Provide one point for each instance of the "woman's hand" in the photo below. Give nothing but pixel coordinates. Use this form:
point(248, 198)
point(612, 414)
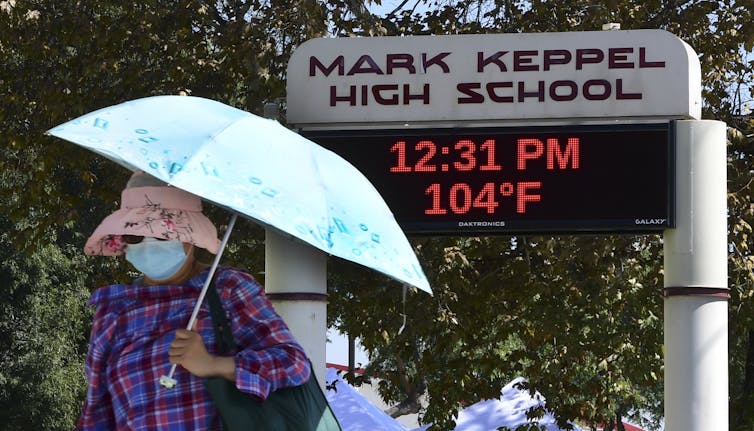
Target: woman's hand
point(188, 351)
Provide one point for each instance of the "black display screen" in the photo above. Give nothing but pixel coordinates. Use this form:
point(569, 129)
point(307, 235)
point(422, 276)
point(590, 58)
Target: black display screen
point(505, 180)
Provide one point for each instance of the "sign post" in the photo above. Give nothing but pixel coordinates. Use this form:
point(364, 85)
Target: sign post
point(296, 283)
point(696, 284)
point(577, 132)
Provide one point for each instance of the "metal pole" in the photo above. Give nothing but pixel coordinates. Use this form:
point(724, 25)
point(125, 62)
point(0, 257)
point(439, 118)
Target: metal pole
point(696, 283)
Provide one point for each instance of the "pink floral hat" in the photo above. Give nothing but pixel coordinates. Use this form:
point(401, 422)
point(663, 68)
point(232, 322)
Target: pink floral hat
point(151, 208)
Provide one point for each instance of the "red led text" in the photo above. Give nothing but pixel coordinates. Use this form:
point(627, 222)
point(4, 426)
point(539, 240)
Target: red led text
point(460, 198)
point(467, 157)
point(534, 149)
point(463, 156)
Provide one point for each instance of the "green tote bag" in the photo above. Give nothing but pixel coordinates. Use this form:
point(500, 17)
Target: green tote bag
point(299, 408)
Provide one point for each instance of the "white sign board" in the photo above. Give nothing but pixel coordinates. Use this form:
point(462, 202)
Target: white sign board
point(493, 78)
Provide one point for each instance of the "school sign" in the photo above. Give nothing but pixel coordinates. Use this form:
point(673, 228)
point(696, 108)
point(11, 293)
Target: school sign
point(648, 74)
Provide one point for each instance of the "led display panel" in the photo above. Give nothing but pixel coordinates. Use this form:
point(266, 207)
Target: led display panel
point(590, 179)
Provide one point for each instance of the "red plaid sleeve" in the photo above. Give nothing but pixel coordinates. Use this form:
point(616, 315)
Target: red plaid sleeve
point(97, 413)
point(269, 357)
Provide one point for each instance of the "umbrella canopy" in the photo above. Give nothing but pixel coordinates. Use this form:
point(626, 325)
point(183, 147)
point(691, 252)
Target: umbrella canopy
point(255, 167)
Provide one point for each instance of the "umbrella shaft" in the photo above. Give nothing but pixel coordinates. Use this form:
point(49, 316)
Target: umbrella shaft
point(207, 282)
point(212, 270)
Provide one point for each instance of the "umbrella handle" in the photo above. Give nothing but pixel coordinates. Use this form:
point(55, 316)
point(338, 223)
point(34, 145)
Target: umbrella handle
point(168, 381)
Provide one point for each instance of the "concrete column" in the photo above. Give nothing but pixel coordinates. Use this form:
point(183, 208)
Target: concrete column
point(296, 283)
point(696, 283)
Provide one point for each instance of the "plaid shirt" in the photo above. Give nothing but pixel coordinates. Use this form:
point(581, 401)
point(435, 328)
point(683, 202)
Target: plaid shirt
point(133, 328)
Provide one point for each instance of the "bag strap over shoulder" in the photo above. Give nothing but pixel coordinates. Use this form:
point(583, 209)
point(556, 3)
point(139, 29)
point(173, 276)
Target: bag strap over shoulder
point(223, 332)
point(297, 408)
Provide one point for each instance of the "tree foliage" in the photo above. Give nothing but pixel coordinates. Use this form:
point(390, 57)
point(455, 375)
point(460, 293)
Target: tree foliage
point(741, 271)
point(43, 333)
point(579, 317)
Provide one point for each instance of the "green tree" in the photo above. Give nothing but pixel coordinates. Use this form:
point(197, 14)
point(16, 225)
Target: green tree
point(44, 333)
point(741, 269)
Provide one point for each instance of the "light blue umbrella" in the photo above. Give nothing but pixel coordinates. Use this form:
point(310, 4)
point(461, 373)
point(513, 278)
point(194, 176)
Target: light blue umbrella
point(255, 167)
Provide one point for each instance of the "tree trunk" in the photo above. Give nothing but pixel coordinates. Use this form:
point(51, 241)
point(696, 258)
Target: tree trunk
point(745, 413)
point(351, 354)
point(619, 422)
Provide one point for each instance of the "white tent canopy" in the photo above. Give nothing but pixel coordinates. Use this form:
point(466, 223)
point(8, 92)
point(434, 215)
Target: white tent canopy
point(508, 410)
point(354, 412)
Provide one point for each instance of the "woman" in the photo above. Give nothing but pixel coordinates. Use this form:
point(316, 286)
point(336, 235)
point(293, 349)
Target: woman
point(138, 328)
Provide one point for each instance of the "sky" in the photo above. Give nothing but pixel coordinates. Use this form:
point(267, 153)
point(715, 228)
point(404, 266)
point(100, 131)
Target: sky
point(337, 349)
point(389, 5)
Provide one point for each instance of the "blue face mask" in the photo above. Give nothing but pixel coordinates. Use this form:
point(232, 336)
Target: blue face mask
point(158, 260)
